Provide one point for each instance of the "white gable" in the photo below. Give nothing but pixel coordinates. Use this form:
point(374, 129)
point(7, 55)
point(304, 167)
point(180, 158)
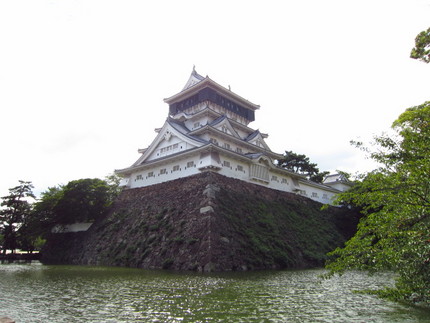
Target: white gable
point(194, 79)
point(168, 141)
point(226, 127)
point(258, 140)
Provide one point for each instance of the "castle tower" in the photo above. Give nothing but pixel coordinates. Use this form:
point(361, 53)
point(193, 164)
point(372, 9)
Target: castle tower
point(207, 130)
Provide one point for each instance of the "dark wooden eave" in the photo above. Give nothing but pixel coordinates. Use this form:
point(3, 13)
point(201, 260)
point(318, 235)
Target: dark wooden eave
point(208, 90)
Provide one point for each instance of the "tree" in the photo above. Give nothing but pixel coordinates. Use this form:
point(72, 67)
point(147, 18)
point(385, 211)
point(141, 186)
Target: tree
point(33, 229)
point(15, 208)
point(113, 181)
point(421, 51)
point(301, 164)
point(83, 200)
point(395, 200)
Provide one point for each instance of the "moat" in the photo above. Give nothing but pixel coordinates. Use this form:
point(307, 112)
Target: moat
point(40, 293)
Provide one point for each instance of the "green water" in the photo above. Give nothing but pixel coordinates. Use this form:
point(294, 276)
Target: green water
point(37, 293)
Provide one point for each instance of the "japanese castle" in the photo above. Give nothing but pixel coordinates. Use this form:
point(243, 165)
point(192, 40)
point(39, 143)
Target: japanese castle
point(207, 131)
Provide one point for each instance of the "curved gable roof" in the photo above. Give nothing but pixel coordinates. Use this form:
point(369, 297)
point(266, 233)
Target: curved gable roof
point(223, 120)
point(179, 126)
point(170, 128)
point(257, 135)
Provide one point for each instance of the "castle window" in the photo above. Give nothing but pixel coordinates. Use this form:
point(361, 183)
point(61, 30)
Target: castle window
point(224, 129)
point(196, 125)
point(284, 181)
point(163, 171)
point(239, 150)
point(139, 177)
point(190, 164)
point(175, 168)
point(300, 192)
point(274, 178)
point(226, 146)
point(214, 141)
point(314, 194)
point(151, 174)
point(169, 148)
point(240, 168)
point(226, 163)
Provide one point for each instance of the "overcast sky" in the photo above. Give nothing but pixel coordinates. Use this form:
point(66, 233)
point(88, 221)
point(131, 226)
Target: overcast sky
point(82, 83)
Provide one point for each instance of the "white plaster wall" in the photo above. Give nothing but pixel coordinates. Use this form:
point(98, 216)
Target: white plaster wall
point(191, 123)
point(74, 227)
point(243, 134)
point(142, 178)
point(278, 183)
point(318, 194)
point(207, 161)
point(233, 170)
point(340, 186)
point(205, 136)
point(182, 146)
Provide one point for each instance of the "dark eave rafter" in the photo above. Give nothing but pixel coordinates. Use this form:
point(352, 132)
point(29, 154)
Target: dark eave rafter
point(207, 82)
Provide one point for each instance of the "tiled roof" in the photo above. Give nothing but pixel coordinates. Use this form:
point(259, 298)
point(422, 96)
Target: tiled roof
point(218, 120)
point(252, 135)
point(184, 130)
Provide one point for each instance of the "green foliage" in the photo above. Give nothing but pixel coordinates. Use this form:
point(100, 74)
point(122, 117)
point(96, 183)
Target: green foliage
point(83, 200)
point(395, 199)
point(301, 164)
point(344, 174)
point(113, 182)
point(39, 243)
point(421, 51)
point(43, 215)
point(15, 209)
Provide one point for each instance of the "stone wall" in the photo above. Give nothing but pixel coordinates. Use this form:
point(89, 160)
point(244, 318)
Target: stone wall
point(206, 222)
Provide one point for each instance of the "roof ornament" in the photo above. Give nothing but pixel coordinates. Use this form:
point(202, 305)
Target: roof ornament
point(167, 135)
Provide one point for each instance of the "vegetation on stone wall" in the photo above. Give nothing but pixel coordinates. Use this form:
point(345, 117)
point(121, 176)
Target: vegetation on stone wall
point(282, 233)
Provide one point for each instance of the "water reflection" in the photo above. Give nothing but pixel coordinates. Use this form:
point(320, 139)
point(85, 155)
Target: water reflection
point(36, 293)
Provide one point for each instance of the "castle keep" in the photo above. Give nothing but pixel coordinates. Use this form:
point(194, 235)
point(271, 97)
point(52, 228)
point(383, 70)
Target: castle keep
point(207, 130)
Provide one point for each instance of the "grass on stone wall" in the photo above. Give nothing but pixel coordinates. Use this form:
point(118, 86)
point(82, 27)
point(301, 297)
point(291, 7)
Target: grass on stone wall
point(282, 233)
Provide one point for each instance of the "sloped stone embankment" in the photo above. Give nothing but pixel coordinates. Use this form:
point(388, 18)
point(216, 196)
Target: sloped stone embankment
point(207, 222)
